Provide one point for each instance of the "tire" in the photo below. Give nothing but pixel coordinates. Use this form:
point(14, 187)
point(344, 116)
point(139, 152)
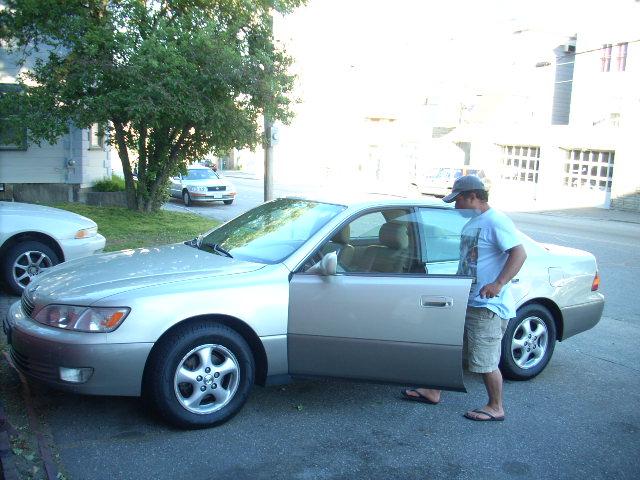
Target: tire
point(528, 343)
point(24, 261)
point(199, 398)
point(228, 202)
point(186, 198)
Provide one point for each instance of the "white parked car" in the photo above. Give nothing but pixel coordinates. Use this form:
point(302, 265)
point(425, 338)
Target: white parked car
point(439, 181)
point(34, 238)
point(202, 184)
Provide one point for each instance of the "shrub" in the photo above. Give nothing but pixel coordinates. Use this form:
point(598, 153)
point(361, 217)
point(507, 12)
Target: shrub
point(113, 184)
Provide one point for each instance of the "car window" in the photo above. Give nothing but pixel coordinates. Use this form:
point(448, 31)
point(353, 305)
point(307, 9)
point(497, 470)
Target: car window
point(273, 231)
point(200, 174)
point(373, 243)
point(366, 226)
point(441, 229)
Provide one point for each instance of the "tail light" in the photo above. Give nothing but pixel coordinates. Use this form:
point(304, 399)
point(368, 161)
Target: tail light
point(596, 282)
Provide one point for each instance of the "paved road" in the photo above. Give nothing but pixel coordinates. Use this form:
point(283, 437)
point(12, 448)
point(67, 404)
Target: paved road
point(578, 419)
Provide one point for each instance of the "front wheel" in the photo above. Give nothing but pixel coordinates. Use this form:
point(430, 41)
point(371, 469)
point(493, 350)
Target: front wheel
point(200, 375)
point(528, 343)
point(24, 261)
point(186, 198)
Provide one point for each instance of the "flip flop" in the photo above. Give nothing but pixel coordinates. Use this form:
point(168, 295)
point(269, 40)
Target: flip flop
point(492, 418)
point(419, 398)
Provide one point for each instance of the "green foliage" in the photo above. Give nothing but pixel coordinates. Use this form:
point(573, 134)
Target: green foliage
point(174, 80)
point(113, 184)
point(124, 228)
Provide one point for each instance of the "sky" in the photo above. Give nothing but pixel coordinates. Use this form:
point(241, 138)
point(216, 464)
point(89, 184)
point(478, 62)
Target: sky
point(396, 51)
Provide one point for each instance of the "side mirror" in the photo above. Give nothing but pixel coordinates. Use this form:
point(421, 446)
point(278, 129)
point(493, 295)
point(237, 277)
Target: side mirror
point(327, 266)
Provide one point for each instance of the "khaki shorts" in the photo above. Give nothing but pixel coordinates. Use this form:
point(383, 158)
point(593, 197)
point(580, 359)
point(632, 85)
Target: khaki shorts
point(483, 331)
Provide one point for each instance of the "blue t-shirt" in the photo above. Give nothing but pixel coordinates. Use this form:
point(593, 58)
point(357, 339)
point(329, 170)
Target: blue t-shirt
point(484, 242)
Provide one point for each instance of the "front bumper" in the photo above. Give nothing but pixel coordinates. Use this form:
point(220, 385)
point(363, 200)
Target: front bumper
point(579, 318)
point(82, 247)
point(39, 351)
point(211, 196)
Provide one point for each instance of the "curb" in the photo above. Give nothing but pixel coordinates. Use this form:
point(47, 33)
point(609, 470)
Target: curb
point(8, 468)
point(50, 469)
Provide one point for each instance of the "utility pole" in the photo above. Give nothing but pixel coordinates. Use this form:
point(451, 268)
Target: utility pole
point(268, 159)
point(268, 143)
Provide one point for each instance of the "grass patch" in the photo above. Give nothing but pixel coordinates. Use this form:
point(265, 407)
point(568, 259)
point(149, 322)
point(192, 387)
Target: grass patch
point(124, 228)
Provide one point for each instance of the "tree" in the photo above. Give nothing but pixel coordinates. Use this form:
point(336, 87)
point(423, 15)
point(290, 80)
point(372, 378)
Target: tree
point(170, 80)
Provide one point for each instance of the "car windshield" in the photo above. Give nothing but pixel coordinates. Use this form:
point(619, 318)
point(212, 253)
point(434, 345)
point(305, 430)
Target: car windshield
point(200, 174)
point(271, 232)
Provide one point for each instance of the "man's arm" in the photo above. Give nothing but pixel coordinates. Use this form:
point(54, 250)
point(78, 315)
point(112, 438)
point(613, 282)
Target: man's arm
point(517, 256)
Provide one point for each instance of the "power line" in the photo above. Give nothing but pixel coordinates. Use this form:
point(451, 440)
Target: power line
point(596, 49)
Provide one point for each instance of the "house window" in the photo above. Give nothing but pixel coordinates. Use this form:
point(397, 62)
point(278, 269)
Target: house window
point(519, 163)
point(11, 136)
point(605, 59)
point(622, 56)
point(593, 170)
point(96, 136)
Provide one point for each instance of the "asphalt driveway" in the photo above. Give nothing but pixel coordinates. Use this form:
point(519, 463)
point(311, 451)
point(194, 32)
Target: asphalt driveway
point(578, 419)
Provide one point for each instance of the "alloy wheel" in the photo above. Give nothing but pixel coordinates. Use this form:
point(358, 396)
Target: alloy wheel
point(529, 342)
point(28, 265)
point(206, 379)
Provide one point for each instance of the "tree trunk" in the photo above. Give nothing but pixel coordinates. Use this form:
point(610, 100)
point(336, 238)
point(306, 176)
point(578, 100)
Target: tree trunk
point(123, 153)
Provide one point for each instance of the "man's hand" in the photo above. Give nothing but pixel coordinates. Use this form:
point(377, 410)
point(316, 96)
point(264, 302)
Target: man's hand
point(490, 290)
point(515, 260)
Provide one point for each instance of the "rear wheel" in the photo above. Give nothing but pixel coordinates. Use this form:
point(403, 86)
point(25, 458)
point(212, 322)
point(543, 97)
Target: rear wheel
point(24, 261)
point(528, 343)
point(200, 375)
point(186, 198)
point(228, 202)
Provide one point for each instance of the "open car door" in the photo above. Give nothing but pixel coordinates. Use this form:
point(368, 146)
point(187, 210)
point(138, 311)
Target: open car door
point(362, 323)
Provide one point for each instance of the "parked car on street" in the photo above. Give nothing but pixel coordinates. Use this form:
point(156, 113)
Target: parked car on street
point(438, 181)
point(202, 184)
point(362, 289)
point(34, 238)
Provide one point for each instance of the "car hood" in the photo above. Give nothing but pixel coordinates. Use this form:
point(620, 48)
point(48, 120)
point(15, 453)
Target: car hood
point(89, 279)
point(51, 214)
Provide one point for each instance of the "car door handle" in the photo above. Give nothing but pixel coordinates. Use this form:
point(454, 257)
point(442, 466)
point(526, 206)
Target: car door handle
point(429, 301)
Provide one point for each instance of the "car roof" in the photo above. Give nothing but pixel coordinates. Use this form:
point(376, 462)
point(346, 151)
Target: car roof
point(372, 199)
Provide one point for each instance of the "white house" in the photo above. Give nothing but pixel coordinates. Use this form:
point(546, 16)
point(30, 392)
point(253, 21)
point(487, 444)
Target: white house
point(50, 173)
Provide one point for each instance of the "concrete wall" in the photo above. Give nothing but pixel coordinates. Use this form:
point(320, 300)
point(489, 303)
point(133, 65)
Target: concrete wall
point(40, 192)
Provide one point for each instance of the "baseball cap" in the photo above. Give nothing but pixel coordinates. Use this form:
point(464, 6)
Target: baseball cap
point(464, 184)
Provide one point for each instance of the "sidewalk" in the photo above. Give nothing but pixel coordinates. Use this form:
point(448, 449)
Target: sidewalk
point(239, 174)
point(592, 213)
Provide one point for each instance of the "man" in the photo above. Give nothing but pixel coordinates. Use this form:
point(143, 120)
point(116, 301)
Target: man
point(492, 253)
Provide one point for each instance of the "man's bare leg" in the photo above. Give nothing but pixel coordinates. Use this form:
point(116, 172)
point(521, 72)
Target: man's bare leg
point(493, 384)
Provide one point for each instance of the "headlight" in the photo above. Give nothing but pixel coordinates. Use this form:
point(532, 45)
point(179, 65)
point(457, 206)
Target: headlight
point(83, 319)
point(86, 232)
point(193, 188)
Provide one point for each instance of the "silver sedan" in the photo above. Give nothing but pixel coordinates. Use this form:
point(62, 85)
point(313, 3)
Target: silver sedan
point(202, 184)
point(362, 289)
